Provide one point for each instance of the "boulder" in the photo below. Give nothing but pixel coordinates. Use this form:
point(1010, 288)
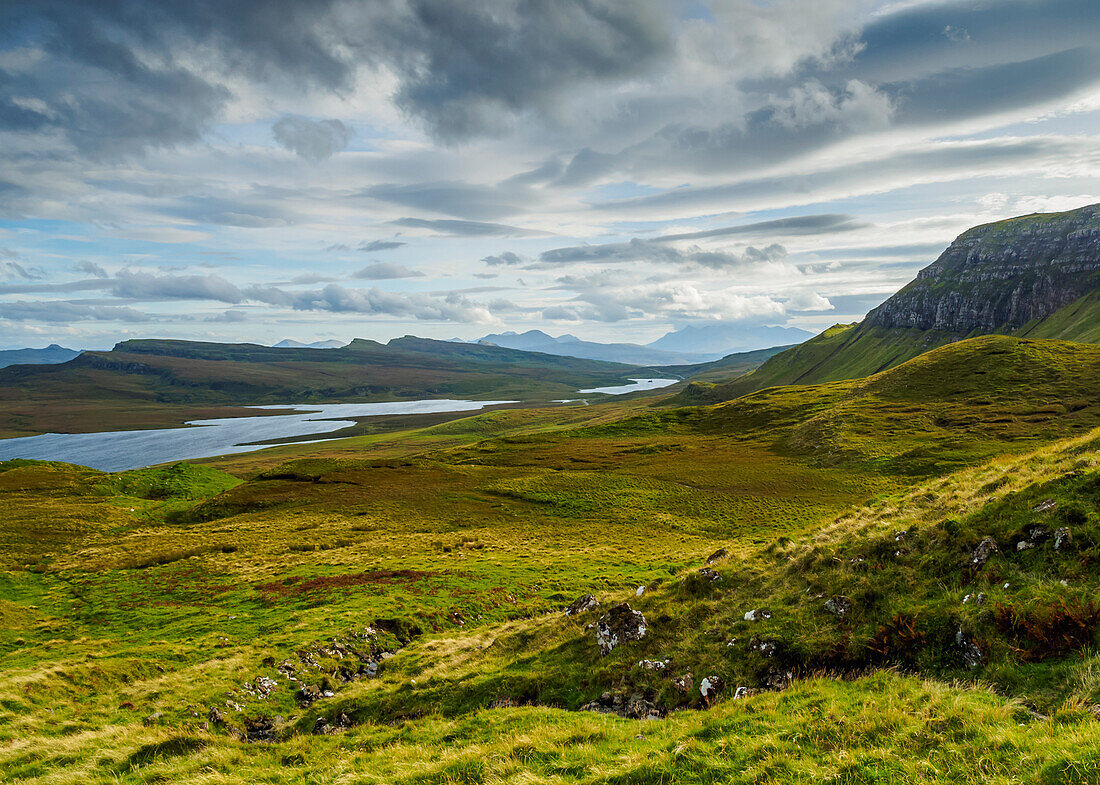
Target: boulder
point(758, 614)
point(1063, 539)
point(585, 602)
point(621, 624)
point(153, 719)
point(257, 729)
point(717, 556)
point(970, 652)
point(986, 548)
point(708, 574)
point(684, 683)
point(710, 686)
point(307, 695)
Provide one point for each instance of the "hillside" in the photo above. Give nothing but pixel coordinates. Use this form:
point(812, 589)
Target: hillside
point(51, 354)
point(571, 346)
point(154, 382)
point(1035, 276)
point(393, 613)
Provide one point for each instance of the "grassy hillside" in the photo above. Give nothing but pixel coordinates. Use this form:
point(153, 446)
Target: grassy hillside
point(155, 621)
point(159, 383)
point(728, 367)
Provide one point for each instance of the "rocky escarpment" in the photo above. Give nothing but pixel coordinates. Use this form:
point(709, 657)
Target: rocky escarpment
point(1000, 276)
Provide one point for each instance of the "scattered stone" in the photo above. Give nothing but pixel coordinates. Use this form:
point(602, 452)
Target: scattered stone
point(324, 727)
point(710, 575)
point(778, 679)
point(1063, 539)
point(762, 646)
point(1038, 534)
point(215, 717)
point(838, 606)
point(504, 703)
point(1045, 506)
point(684, 683)
point(621, 624)
point(1024, 545)
point(717, 556)
point(731, 643)
point(745, 692)
point(900, 535)
point(259, 729)
point(653, 665)
point(972, 654)
point(977, 599)
point(261, 687)
point(153, 718)
point(710, 686)
point(307, 695)
point(758, 614)
point(635, 707)
point(985, 549)
point(585, 602)
point(639, 591)
point(1006, 585)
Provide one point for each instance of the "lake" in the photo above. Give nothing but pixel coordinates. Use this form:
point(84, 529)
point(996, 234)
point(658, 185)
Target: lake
point(636, 385)
point(115, 451)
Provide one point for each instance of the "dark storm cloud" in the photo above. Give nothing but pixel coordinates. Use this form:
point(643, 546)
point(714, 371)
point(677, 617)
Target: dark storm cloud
point(310, 139)
point(446, 226)
point(465, 68)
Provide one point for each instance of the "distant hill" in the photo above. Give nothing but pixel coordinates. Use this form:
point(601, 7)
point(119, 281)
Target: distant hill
point(1035, 276)
point(51, 354)
point(571, 346)
point(725, 339)
point(155, 374)
point(290, 343)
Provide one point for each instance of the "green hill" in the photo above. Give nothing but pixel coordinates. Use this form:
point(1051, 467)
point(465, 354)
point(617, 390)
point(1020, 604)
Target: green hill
point(1036, 276)
point(149, 383)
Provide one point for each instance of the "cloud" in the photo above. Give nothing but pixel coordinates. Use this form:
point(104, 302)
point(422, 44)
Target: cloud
point(380, 245)
point(505, 258)
point(466, 201)
point(657, 251)
point(384, 270)
point(146, 286)
point(13, 271)
point(313, 140)
point(376, 302)
point(800, 225)
point(462, 228)
point(227, 317)
point(60, 312)
point(90, 268)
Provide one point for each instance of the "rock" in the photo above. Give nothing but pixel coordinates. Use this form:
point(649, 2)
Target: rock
point(710, 575)
point(745, 692)
point(971, 654)
point(778, 679)
point(1046, 505)
point(1063, 539)
point(504, 703)
point(215, 717)
point(758, 614)
point(684, 683)
point(710, 686)
point(261, 687)
point(977, 599)
point(653, 665)
point(582, 604)
point(326, 727)
point(985, 549)
point(762, 646)
point(1024, 545)
point(639, 591)
point(838, 606)
point(621, 624)
point(638, 708)
point(259, 729)
point(153, 718)
point(717, 556)
point(307, 695)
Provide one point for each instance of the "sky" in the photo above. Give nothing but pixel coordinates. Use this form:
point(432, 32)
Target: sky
point(614, 169)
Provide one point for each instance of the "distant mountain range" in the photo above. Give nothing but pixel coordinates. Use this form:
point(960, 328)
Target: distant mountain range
point(1034, 276)
point(688, 345)
point(290, 343)
point(48, 356)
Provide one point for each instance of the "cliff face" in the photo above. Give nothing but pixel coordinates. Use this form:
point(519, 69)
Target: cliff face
point(998, 277)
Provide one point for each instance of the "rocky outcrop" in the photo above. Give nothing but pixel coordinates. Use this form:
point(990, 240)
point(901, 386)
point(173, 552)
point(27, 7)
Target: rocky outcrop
point(1000, 276)
point(619, 625)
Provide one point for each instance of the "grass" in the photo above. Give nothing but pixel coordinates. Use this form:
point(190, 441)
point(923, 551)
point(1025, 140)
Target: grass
point(133, 604)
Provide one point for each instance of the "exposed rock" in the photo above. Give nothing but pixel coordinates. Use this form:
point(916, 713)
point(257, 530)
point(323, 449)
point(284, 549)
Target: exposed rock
point(717, 556)
point(653, 665)
point(1063, 539)
point(339, 723)
point(259, 729)
point(838, 606)
point(710, 575)
point(745, 692)
point(621, 624)
point(1024, 545)
point(1046, 505)
point(582, 604)
point(971, 653)
point(778, 679)
point(639, 591)
point(261, 687)
point(504, 703)
point(684, 683)
point(635, 707)
point(710, 686)
point(763, 646)
point(215, 717)
point(977, 599)
point(758, 614)
point(307, 695)
point(986, 548)
point(153, 718)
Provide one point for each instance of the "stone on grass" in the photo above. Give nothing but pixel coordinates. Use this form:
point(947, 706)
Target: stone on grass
point(621, 624)
point(585, 602)
point(838, 606)
point(717, 556)
point(986, 548)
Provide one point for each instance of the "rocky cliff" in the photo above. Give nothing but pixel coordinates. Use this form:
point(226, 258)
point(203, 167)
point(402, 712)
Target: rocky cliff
point(1000, 276)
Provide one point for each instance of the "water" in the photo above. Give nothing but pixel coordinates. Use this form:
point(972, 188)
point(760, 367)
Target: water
point(116, 451)
point(636, 385)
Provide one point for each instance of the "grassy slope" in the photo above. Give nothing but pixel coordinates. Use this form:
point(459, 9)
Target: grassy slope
point(120, 596)
point(153, 383)
point(854, 351)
